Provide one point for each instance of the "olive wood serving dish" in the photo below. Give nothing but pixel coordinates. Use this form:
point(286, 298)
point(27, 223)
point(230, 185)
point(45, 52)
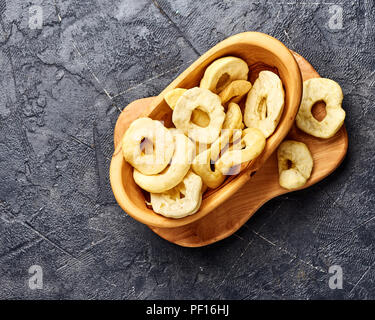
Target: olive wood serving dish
point(261, 52)
point(263, 186)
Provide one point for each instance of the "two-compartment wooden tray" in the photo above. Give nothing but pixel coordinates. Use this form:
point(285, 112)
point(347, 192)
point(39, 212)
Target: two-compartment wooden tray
point(263, 186)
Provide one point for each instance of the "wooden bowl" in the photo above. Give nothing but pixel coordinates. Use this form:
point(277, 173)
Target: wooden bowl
point(327, 155)
point(261, 52)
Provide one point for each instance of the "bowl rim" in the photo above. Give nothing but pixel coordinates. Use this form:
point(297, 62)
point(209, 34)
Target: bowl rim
point(271, 44)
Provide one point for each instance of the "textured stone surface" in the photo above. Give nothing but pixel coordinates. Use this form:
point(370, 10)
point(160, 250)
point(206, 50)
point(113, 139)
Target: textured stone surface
point(62, 87)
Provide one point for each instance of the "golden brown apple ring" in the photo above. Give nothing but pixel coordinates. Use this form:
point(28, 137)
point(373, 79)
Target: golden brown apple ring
point(296, 153)
point(172, 175)
point(235, 91)
point(202, 166)
point(202, 162)
point(253, 141)
point(206, 101)
point(159, 143)
point(329, 91)
point(222, 72)
point(265, 103)
point(170, 203)
point(211, 176)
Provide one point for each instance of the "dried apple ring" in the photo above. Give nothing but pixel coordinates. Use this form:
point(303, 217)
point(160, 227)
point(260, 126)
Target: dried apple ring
point(233, 117)
point(181, 201)
point(172, 96)
point(235, 91)
point(253, 142)
point(202, 162)
point(232, 121)
point(206, 101)
point(173, 174)
point(198, 117)
point(295, 164)
point(329, 91)
point(222, 72)
point(158, 141)
point(265, 103)
point(202, 166)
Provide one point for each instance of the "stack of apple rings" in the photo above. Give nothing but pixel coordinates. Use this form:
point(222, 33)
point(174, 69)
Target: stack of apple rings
point(219, 124)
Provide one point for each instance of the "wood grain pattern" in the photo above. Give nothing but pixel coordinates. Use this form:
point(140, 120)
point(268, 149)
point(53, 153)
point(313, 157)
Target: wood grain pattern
point(253, 47)
point(264, 185)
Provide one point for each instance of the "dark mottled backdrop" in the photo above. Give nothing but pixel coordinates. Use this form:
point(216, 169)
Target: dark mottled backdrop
point(67, 69)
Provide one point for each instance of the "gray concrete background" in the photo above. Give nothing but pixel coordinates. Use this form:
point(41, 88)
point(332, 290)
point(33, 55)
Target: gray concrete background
point(61, 90)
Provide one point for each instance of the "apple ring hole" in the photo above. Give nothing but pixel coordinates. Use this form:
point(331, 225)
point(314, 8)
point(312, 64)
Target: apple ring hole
point(182, 195)
point(212, 166)
point(318, 110)
point(289, 164)
point(198, 122)
point(146, 146)
point(262, 108)
point(223, 82)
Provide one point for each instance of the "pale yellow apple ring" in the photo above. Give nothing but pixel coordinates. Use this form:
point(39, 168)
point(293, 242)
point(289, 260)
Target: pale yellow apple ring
point(329, 91)
point(233, 121)
point(159, 143)
point(172, 96)
point(208, 102)
point(170, 203)
point(235, 91)
point(253, 142)
point(198, 117)
point(298, 172)
point(265, 103)
point(220, 73)
point(173, 174)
